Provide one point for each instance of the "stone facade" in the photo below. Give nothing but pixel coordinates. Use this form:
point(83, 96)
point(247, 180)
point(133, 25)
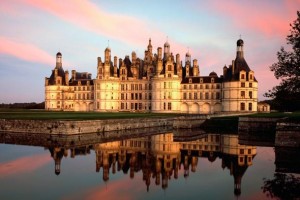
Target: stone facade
point(158, 83)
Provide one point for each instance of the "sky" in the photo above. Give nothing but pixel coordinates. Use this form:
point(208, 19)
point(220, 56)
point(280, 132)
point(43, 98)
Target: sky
point(33, 31)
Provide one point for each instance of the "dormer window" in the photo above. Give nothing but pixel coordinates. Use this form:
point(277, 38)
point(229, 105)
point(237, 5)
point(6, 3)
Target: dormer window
point(212, 80)
point(201, 80)
point(242, 76)
point(190, 80)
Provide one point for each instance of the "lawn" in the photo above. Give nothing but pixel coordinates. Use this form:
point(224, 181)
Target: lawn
point(295, 116)
point(48, 115)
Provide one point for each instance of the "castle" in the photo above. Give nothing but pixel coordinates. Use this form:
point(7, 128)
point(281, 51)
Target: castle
point(159, 83)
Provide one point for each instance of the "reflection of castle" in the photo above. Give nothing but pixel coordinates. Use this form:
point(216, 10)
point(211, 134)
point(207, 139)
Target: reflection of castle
point(57, 153)
point(160, 157)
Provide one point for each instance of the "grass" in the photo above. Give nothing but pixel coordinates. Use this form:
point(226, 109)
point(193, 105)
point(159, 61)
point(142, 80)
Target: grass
point(59, 115)
point(295, 116)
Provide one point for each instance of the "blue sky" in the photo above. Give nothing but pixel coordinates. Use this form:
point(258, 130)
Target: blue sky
point(33, 31)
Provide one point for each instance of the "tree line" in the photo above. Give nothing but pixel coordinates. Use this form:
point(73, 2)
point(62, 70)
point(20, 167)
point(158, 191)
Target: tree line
point(32, 105)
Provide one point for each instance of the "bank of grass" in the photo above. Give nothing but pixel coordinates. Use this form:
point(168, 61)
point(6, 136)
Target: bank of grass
point(57, 115)
point(294, 116)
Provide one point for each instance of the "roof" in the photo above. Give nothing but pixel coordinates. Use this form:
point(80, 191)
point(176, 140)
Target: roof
point(60, 73)
point(196, 79)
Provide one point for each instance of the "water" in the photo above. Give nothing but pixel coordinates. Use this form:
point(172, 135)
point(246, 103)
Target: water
point(163, 166)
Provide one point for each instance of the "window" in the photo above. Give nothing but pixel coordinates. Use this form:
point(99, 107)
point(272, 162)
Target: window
point(243, 94)
point(242, 76)
point(164, 106)
point(201, 86)
point(195, 95)
point(169, 68)
point(242, 106)
point(201, 96)
point(190, 87)
point(241, 151)
point(243, 84)
point(250, 85)
point(250, 94)
point(250, 106)
point(190, 80)
point(206, 95)
point(122, 106)
point(249, 151)
point(218, 95)
point(206, 86)
point(201, 80)
point(184, 87)
point(190, 95)
point(184, 95)
point(251, 77)
point(195, 86)
point(165, 85)
point(169, 106)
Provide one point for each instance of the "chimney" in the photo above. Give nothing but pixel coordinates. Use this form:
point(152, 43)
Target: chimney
point(74, 75)
point(67, 77)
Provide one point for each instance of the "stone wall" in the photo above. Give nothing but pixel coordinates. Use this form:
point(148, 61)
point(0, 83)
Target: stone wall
point(257, 125)
point(287, 134)
point(78, 127)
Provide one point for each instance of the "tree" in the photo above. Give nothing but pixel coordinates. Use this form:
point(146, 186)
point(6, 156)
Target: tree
point(286, 95)
point(283, 186)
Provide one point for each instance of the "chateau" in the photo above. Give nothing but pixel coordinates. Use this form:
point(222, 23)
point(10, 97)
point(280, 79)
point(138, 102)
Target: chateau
point(158, 83)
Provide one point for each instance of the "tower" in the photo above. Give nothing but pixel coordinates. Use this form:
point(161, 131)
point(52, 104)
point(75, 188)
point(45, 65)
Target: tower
point(166, 50)
point(107, 61)
point(58, 60)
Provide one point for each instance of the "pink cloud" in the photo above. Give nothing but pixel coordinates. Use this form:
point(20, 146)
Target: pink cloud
point(108, 191)
point(24, 164)
point(87, 15)
point(24, 51)
point(259, 16)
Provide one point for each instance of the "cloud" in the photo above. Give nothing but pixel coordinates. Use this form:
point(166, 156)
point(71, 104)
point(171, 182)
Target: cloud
point(260, 16)
point(90, 17)
point(24, 51)
point(24, 164)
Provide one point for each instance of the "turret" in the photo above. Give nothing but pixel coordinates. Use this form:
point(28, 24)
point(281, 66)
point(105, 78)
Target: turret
point(58, 59)
point(225, 71)
point(166, 50)
point(188, 57)
point(240, 48)
point(150, 47)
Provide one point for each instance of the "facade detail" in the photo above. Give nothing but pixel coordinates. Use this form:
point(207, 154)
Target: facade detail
point(158, 83)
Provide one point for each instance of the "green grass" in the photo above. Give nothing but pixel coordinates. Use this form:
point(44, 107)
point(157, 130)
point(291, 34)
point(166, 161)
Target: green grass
point(50, 115)
point(292, 116)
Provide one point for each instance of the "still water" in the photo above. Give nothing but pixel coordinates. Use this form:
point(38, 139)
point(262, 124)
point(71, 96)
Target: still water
point(156, 166)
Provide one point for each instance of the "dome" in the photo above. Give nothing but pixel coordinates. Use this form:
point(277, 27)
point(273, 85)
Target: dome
point(58, 54)
point(240, 42)
point(213, 74)
point(166, 44)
